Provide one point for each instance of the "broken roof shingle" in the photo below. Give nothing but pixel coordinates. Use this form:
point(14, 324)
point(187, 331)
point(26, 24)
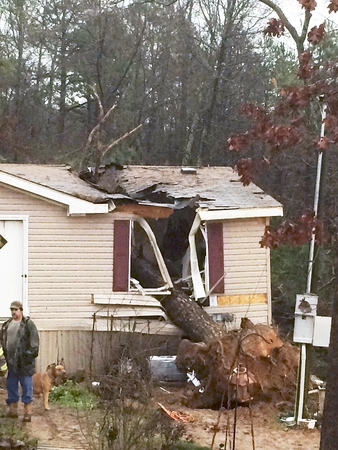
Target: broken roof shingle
point(217, 187)
point(212, 187)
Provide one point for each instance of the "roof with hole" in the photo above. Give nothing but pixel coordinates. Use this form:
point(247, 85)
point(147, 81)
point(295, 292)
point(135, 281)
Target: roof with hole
point(216, 187)
point(213, 188)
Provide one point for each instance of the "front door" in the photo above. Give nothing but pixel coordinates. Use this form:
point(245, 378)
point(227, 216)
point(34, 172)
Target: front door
point(12, 267)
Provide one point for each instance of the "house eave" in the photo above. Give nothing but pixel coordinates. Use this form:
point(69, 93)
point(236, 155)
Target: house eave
point(239, 213)
point(75, 205)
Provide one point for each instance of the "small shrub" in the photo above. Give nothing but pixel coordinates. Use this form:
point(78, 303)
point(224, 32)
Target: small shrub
point(73, 395)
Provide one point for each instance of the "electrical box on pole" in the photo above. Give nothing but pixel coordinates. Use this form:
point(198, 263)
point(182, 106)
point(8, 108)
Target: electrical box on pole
point(305, 313)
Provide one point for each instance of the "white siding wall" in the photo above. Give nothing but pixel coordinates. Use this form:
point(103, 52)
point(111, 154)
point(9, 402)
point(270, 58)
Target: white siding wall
point(246, 264)
point(68, 258)
point(247, 271)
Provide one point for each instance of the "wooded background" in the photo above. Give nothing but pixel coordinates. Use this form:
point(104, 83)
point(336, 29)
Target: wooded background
point(180, 69)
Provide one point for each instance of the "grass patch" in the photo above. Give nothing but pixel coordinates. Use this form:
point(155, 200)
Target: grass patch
point(73, 395)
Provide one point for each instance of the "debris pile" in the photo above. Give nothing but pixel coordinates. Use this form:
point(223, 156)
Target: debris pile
point(252, 363)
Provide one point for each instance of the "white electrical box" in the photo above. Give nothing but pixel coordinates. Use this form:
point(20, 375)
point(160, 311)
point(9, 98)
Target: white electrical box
point(305, 313)
point(322, 331)
point(303, 329)
point(306, 304)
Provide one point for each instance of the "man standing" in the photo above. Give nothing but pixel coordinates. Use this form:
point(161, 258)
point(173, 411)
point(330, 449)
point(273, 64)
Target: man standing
point(20, 341)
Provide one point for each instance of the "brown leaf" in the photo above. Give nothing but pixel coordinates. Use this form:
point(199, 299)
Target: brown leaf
point(316, 34)
point(237, 142)
point(306, 68)
point(297, 96)
point(305, 72)
point(282, 136)
point(294, 233)
point(305, 57)
point(308, 4)
point(245, 170)
point(330, 121)
point(253, 111)
point(275, 28)
point(333, 6)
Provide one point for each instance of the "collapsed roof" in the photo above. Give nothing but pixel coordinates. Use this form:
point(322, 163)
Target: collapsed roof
point(209, 188)
point(216, 189)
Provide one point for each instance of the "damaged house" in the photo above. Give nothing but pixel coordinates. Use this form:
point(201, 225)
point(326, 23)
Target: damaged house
point(71, 248)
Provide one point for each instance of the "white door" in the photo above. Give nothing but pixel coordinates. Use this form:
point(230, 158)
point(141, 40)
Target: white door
point(12, 276)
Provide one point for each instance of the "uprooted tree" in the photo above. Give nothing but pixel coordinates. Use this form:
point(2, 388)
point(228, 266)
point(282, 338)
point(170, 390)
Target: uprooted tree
point(289, 125)
point(252, 363)
point(222, 359)
point(253, 357)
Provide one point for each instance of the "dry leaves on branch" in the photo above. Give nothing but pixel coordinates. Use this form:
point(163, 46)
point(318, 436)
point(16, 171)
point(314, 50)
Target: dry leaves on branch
point(275, 28)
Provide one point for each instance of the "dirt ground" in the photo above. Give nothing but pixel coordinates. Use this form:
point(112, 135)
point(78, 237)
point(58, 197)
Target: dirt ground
point(256, 427)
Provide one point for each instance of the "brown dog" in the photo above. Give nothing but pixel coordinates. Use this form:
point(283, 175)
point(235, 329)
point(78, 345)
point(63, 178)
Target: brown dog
point(44, 381)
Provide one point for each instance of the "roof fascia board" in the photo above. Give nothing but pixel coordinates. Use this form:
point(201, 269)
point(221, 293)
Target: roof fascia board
point(75, 205)
point(245, 213)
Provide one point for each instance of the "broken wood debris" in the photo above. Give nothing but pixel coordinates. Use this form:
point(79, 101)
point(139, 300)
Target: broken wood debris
point(183, 417)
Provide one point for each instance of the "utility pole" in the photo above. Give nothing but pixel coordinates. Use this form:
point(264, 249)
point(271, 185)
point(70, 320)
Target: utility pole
point(305, 348)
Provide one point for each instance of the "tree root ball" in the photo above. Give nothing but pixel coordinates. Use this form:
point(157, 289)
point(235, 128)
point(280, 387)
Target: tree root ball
point(250, 364)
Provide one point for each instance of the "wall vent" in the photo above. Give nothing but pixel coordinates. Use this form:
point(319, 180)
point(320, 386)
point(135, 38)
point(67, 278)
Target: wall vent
point(189, 170)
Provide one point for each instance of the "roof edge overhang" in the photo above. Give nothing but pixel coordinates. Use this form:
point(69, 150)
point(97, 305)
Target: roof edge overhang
point(240, 213)
point(75, 205)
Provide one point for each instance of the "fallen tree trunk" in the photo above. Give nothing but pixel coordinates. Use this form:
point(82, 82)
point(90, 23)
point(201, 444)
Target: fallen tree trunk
point(195, 323)
point(232, 367)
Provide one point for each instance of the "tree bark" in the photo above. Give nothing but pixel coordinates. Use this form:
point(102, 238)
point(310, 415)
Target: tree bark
point(195, 322)
point(63, 74)
point(329, 433)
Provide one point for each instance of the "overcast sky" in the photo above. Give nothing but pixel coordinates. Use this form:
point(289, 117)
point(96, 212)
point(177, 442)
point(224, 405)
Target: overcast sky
point(295, 13)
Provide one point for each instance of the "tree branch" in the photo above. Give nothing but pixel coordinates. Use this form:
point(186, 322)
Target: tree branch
point(102, 118)
point(112, 144)
point(298, 39)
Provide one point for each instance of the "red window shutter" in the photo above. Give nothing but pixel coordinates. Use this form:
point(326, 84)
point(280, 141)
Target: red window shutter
point(121, 257)
point(216, 257)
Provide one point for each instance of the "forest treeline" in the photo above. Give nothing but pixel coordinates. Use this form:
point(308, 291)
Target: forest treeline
point(181, 71)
